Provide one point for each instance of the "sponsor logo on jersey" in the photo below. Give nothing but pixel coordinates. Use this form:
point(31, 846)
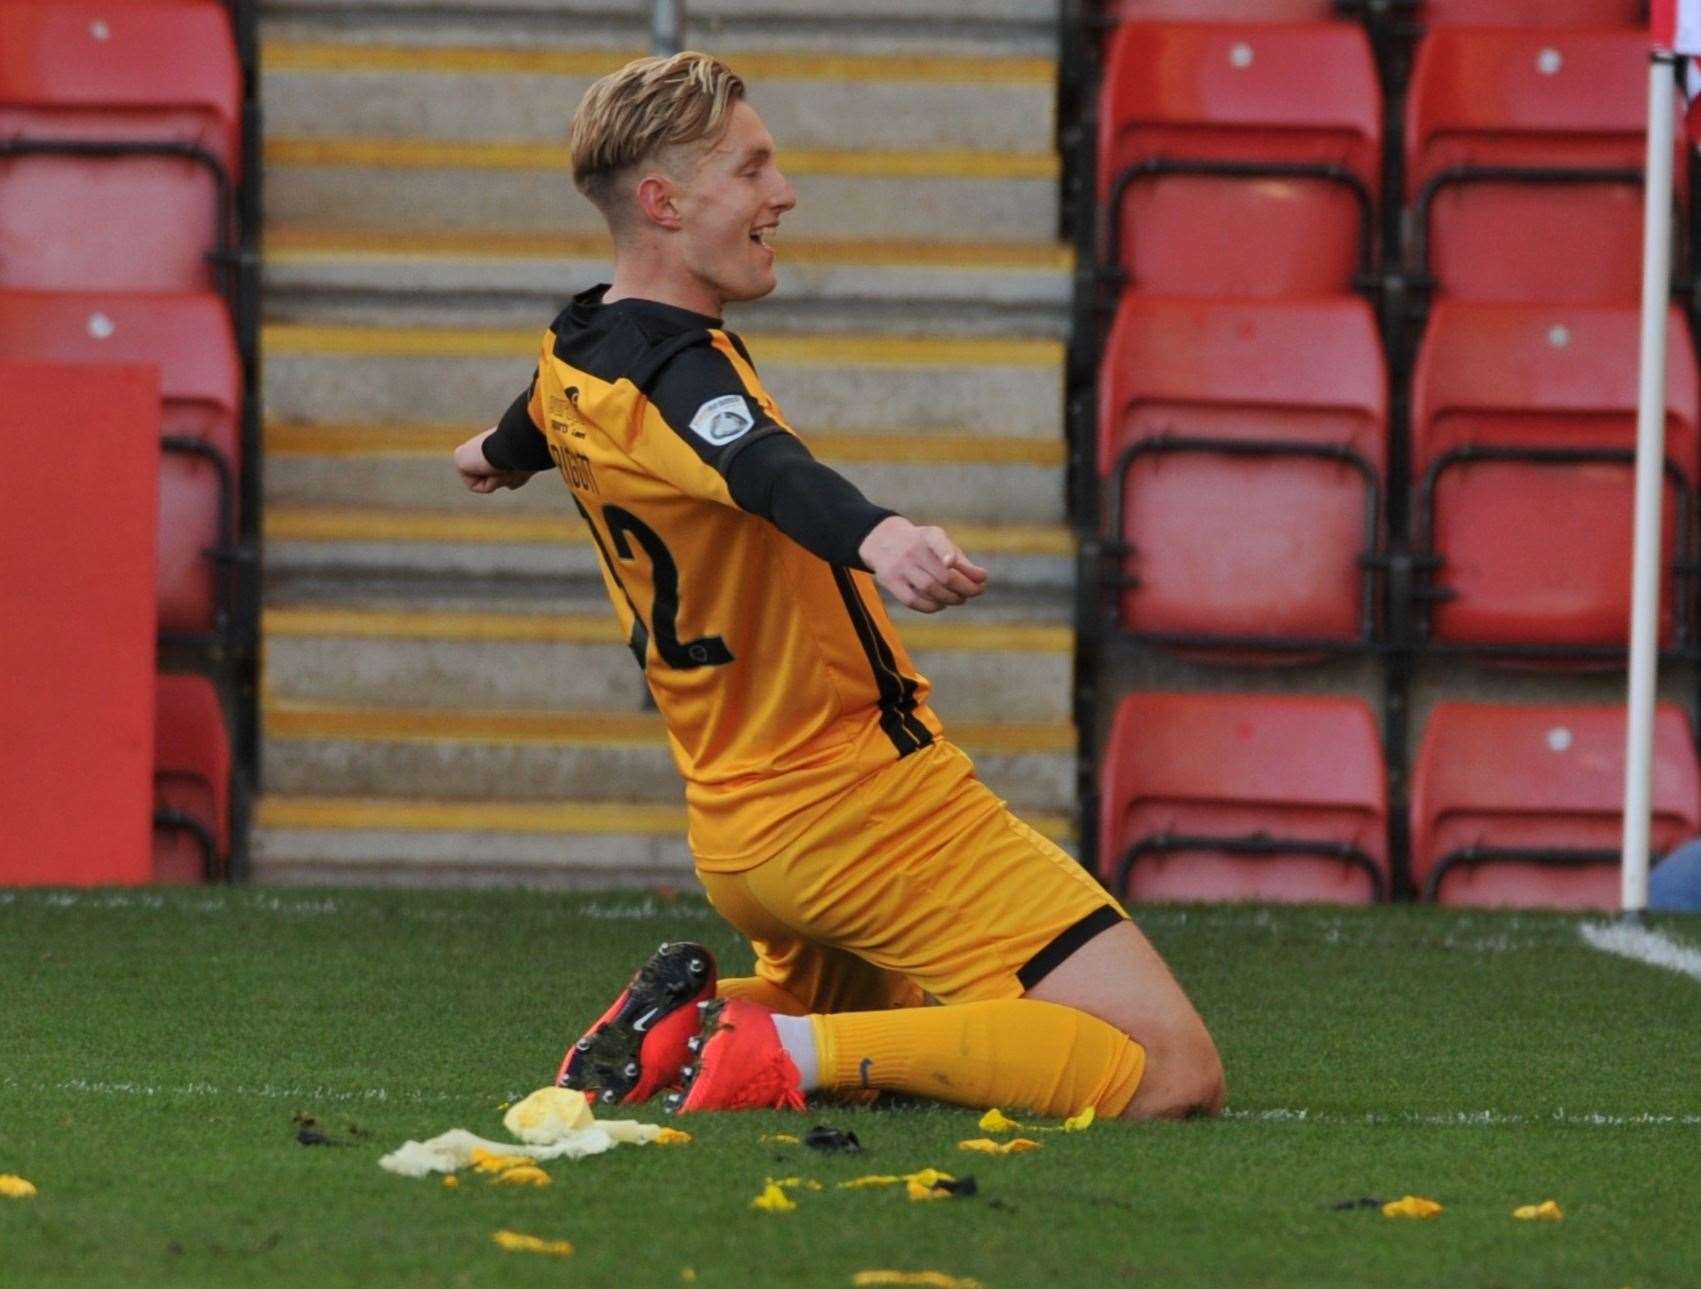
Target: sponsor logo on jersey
point(723, 419)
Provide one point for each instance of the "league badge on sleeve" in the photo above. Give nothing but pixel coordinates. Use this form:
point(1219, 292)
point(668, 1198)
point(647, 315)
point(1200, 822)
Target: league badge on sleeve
point(723, 419)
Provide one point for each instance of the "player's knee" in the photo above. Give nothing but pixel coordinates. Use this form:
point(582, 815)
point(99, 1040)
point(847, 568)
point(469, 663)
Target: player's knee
point(1183, 1077)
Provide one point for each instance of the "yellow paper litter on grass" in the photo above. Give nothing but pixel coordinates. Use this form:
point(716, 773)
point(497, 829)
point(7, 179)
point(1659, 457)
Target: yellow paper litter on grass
point(778, 1139)
point(995, 1120)
point(14, 1187)
point(773, 1200)
point(987, 1146)
point(524, 1175)
point(917, 1191)
point(795, 1183)
point(1080, 1122)
point(1546, 1211)
point(486, 1161)
point(1411, 1206)
point(514, 1242)
point(553, 1123)
point(928, 1177)
point(931, 1279)
point(673, 1137)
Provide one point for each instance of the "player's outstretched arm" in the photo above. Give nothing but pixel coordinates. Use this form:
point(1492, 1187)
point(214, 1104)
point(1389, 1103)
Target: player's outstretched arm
point(479, 474)
point(922, 567)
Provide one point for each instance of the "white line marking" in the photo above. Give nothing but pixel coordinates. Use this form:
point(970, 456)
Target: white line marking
point(1466, 1118)
point(262, 1091)
point(1642, 944)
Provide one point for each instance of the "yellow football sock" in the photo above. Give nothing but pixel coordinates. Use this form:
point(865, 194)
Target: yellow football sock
point(1015, 1052)
point(757, 990)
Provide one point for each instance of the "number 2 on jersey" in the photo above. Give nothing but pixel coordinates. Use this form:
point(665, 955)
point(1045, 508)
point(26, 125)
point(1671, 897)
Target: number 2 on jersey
point(705, 651)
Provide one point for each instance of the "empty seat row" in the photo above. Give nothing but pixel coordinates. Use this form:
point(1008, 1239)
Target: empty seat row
point(189, 338)
point(1243, 161)
point(120, 145)
point(1466, 13)
point(192, 779)
point(1243, 445)
point(1284, 798)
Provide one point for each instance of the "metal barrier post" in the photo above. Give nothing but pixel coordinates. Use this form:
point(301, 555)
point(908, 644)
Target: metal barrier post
point(667, 27)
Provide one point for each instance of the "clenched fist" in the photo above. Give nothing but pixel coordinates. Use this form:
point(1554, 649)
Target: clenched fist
point(922, 567)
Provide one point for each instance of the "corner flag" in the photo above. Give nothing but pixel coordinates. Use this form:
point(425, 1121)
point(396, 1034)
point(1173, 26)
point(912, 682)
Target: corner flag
point(1677, 25)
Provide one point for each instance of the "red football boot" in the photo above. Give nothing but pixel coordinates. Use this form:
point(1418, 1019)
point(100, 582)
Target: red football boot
point(639, 1045)
point(739, 1063)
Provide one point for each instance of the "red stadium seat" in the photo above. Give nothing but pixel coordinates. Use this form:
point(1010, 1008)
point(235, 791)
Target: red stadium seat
point(1239, 160)
point(1524, 805)
point(1524, 154)
point(1220, 10)
point(1244, 797)
point(119, 144)
point(191, 782)
point(1523, 438)
point(1244, 447)
point(189, 338)
point(1533, 13)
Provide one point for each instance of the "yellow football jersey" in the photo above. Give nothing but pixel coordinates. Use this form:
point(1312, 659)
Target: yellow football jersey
point(778, 673)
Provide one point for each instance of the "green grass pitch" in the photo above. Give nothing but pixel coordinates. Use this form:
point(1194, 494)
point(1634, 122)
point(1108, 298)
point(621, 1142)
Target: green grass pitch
point(154, 1047)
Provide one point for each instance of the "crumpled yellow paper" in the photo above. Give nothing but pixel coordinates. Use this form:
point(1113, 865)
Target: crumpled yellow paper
point(1411, 1206)
point(556, 1124)
point(14, 1187)
point(931, 1279)
point(995, 1120)
point(1546, 1211)
point(514, 1242)
point(928, 1177)
point(916, 1191)
point(485, 1162)
point(524, 1175)
point(773, 1200)
point(795, 1183)
point(987, 1146)
point(778, 1138)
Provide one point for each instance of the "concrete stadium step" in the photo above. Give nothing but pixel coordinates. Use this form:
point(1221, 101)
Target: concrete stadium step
point(321, 749)
point(808, 100)
point(524, 187)
point(1018, 288)
point(933, 478)
point(1011, 388)
point(367, 841)
point(919, 27)
point(523, 554)
point(578, 662)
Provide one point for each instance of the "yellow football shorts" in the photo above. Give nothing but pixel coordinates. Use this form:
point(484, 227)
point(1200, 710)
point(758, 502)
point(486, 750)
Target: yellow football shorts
point(919, 882)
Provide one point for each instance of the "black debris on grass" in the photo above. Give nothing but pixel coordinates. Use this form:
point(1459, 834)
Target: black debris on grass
point(839, 1140)
point(1364, 1201)
point(962, 1187)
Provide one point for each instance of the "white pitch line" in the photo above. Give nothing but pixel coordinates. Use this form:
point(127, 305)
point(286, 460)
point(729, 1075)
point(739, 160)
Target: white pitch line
point(243, 1091)
point(1642, 944)
point(1465, 1118)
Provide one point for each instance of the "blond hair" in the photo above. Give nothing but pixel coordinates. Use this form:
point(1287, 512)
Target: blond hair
point(648, 106)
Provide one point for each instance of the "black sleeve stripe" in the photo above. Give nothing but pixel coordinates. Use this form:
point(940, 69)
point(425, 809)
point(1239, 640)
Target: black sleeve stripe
point(688, 372)
point(518, 443)
point(897, 701)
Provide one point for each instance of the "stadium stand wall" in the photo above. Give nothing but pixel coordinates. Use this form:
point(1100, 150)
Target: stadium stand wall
point(77, 675)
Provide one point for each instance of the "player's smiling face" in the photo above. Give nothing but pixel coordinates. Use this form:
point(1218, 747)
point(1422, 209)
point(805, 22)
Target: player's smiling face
point(731, 207)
